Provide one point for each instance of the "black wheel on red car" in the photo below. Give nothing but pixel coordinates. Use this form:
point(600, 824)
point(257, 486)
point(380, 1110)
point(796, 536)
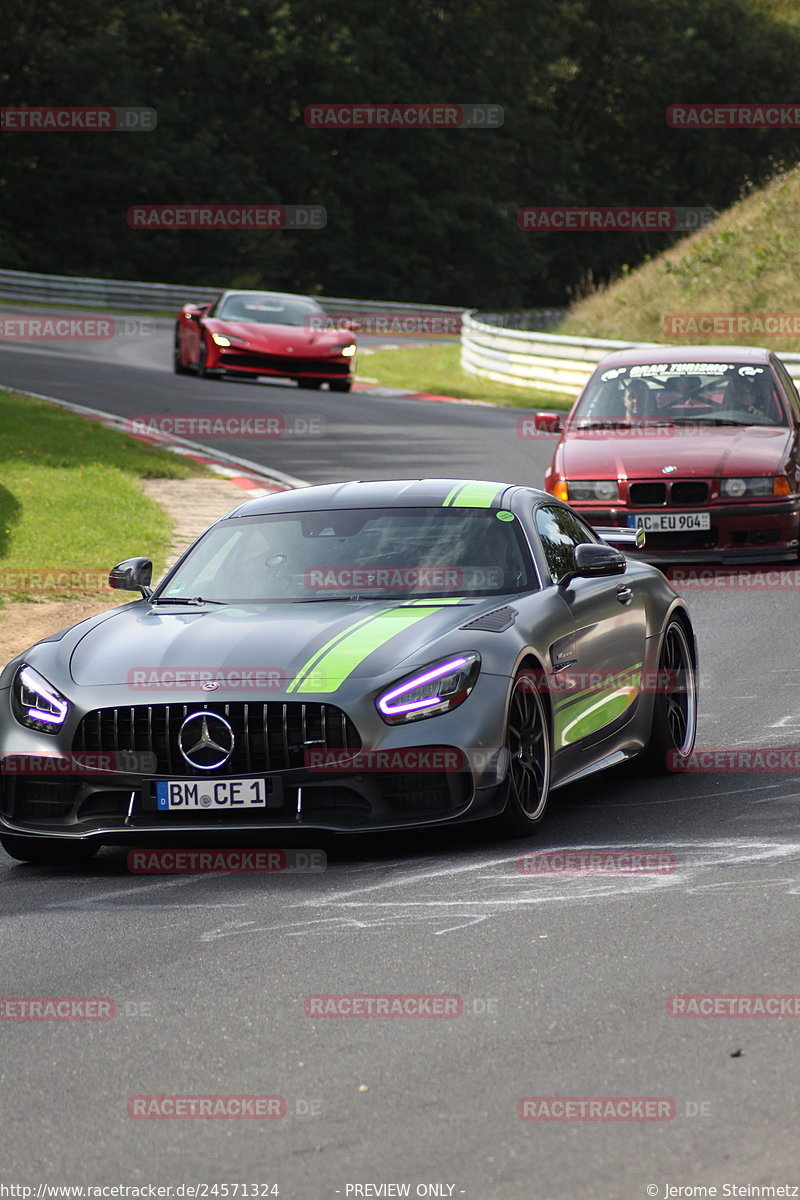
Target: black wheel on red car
point(528, 744)
point(310, 383)
point(52, 852)
point(340, 385)
point(675, 706)
point(202, 358)
point(177, 365)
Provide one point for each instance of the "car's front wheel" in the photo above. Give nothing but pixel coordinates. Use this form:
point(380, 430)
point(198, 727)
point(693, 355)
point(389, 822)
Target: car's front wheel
point(675, 707)
point(527, 742)
point(177, 362)
point(48, 851)
point(340, 385)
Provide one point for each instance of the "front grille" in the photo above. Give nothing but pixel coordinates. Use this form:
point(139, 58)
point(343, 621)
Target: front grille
point(287, 364)
point(647, 493)
point(692, 539)
point(42, 798)
point(689, 491)
point(268, 737)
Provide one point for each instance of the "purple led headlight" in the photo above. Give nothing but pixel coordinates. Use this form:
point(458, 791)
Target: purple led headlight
point(436, 689)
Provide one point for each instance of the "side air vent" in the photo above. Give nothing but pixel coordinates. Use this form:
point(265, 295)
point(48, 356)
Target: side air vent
point(494, 622)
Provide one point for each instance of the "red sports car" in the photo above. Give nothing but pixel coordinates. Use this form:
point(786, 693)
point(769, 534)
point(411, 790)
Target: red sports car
point(698, 447)
point(265, 333)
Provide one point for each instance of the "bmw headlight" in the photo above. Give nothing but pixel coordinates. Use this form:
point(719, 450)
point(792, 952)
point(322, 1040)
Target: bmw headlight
point(36, 703)
point(346, 351)
point(593, 489)
point(435, 689)
point(753, 485)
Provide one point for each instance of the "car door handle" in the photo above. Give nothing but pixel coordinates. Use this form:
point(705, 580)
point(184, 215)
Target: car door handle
point(624, 594)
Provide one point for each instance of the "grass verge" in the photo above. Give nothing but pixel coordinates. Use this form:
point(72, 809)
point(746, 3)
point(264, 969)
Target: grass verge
point(437, 369)
point(70, 499)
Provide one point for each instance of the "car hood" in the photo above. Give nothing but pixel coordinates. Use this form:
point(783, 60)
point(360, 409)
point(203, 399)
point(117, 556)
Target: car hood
point(320, 643)
point(280, 339)
point(712, 452)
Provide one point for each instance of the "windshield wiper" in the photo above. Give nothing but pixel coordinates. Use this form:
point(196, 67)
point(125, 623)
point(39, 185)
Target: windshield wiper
point(705, 420)
point(643, 424)
point(185, 600)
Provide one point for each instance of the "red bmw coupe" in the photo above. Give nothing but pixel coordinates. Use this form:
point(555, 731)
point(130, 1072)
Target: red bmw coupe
point(698, 447)
point(265, 333)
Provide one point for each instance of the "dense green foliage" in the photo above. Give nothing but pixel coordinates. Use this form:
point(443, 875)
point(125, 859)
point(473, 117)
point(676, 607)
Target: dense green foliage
point(426, 216)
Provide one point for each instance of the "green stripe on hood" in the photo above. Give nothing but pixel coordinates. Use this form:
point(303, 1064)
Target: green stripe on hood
point(327, 670)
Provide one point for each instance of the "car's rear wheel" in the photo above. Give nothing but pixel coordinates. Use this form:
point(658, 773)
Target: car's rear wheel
point(675, 707)
point(340, 385)
point(48, 851)
point(528, 744)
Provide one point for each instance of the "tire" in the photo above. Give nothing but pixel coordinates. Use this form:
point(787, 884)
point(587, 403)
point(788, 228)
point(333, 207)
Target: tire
point(201, 360)
point(528, 743)
point(674, 724)
point(177, 365)
point(340, 385)
point(48, 851)
point(310, 383)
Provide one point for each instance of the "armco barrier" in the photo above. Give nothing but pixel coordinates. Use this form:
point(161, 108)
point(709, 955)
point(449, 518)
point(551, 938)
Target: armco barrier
point(132, 294)
point(523, 358)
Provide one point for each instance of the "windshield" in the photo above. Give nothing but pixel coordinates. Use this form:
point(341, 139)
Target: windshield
point(681, 393)
point(265, 308)
point(406, 553)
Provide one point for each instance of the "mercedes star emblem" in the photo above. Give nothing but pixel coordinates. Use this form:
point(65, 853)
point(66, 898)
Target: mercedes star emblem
point(206, 740)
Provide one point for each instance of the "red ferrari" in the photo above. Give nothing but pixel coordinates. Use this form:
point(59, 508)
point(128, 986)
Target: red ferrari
point(698, 447)
point(265, 333)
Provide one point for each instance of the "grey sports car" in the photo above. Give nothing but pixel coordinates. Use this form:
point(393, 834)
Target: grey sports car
point(348, 657)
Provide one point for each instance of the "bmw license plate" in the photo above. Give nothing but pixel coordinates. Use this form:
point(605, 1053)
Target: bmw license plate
point(675, 522)
point(210, 795)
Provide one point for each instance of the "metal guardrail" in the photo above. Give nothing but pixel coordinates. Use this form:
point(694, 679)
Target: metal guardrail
point(548, 361)
point(133, 294)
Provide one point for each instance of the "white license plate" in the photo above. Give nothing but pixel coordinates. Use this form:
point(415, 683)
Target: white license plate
point(677, 522)
point(209, 795)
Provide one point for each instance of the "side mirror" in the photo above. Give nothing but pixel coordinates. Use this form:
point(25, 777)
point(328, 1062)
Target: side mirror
point(132, 575)
point(594, 561)
point(352, 326)
point(547, 422)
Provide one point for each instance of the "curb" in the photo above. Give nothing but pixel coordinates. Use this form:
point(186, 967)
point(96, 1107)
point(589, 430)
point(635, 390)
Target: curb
point(249, 476)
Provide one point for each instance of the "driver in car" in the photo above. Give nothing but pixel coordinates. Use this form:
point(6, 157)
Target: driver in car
point(746, 394)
